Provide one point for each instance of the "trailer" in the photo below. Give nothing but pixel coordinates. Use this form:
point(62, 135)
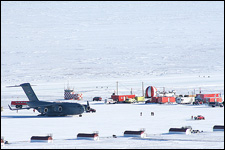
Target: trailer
point(87, 136)
point(140, 133)
point(182, 130)
point(218, 128)
point(185, 100)
point(47, 139)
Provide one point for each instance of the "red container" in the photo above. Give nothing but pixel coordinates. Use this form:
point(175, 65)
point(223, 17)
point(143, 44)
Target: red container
point(121, 98)
point(208, 95)
point(166, 99)
point(216, 97)
point(212, 99)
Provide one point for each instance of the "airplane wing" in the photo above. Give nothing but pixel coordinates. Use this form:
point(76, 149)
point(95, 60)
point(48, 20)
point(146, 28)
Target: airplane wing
point(18, 108)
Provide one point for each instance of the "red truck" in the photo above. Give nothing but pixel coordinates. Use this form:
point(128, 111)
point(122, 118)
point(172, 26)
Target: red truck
point(199, 117)
point(19, 104)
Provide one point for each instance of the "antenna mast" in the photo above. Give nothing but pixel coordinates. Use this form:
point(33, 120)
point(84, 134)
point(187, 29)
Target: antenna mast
point(117, 87)
point(143, 89)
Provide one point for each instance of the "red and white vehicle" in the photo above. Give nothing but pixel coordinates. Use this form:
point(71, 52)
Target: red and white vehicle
point(199, 117)
point(19, 104)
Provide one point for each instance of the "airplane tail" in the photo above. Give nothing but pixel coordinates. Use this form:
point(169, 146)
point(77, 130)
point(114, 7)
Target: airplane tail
point(29, 92)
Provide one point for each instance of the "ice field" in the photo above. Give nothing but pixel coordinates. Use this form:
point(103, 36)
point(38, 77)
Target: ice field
point(93, 45)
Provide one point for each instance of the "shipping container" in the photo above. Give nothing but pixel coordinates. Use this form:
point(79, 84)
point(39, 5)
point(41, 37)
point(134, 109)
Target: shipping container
point(202, 96)
point(166, 100)
point(140, 99)
point(121, 98)
point(213, 99)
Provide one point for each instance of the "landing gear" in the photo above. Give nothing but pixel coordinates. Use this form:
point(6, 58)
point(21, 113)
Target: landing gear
point(19, 106)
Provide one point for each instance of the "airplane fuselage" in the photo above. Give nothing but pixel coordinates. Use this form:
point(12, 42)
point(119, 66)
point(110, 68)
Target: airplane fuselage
point(56, 108)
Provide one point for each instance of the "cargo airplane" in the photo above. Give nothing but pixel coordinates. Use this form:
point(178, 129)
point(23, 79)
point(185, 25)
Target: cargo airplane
point(51, 108)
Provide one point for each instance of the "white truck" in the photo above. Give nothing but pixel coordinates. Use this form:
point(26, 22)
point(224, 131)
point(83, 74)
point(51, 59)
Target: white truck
point(110, 101)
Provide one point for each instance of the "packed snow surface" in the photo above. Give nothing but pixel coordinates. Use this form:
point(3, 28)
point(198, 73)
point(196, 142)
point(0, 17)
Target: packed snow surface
point(114, 119)
point(92, 45)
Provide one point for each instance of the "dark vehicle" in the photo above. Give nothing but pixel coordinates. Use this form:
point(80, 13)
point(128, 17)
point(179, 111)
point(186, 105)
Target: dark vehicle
point(197, 102)
point(196, 131)
point(214, 104)
point(97, 99)
point(91, 110)
point(148, 101)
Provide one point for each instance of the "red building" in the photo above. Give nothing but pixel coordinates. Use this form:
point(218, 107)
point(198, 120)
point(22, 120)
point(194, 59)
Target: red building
point(121, 98)
point(166, 100)
point(215, 97)
point(202, 96)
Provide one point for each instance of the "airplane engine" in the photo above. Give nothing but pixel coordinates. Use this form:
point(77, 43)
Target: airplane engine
point(58, 108)
point(45, 110)
point(88, 108)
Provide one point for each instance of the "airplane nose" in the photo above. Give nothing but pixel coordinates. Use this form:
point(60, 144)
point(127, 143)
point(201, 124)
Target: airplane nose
point(81, 108)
